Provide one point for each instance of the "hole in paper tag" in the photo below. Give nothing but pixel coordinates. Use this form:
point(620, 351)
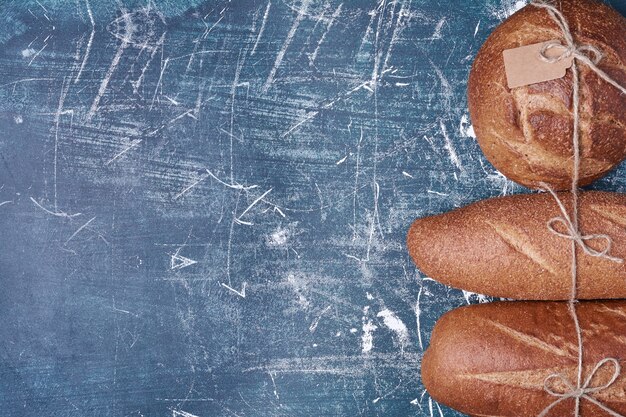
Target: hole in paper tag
point(524, 65)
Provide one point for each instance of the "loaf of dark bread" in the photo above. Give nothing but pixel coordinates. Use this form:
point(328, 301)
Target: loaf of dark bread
point(492, 359)
point(502, 247)
point(526, 132)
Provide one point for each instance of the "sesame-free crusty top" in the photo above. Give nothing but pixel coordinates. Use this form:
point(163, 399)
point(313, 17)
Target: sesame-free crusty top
point(526, 132)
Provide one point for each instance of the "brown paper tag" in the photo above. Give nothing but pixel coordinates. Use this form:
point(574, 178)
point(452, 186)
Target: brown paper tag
point(524, 66)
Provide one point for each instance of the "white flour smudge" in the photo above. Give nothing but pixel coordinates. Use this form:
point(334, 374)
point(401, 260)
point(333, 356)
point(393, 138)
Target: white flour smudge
point(299, 285)
point(367, 340)
point(28, 52)
point(507, 8)
point(278, 238)
point(469, 295)
point(396, 325)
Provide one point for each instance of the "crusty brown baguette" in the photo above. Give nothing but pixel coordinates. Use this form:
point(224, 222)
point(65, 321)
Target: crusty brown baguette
point(492, 359)
point(503, 248)
point(526, 132)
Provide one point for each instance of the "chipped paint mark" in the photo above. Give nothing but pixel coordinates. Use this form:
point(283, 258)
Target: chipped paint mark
point(448, 146)
point(367, 340)
point(130, 146)
point(241, 293)
point(181, 413)
point(28, 52)
point(254, 203)
point(89, 42)
point(508, 8)
point(79, 230)
point(179, 262)
point(316, 322)
point(281, 53)
point(465, 128)
point(262, 29)
point(191, 186)
point(329, 25)
point(279, 237)
point(470, 296)
point(437, 33)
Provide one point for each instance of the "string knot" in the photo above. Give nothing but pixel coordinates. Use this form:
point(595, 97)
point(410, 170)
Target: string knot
point(575, 235)
point(570, 49)
point(579, 52)
point(581, 240)
point(583, 391)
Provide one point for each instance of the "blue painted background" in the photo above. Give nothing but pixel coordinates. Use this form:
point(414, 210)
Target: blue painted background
point(204, 203)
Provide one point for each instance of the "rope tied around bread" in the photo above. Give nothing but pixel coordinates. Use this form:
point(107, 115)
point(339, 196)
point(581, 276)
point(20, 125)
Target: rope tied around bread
point(582, 389)
point(585, 390)
point(575, 235)
point(571, 49)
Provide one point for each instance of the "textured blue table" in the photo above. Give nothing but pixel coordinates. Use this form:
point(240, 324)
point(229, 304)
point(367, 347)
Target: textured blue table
point(204, 204)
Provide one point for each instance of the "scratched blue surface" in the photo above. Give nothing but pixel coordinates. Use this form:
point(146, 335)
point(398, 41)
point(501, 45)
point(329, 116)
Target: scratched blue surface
point(204, 204)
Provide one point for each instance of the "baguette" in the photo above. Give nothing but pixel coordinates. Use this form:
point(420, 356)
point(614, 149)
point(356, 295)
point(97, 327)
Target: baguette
point(502, 247)
point(492, 359)
point(526, 132)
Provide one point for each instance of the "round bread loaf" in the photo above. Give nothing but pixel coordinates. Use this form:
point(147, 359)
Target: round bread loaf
point(526, 132)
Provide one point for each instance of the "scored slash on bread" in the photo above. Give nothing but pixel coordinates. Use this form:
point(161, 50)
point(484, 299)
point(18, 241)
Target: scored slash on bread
point(502, 247)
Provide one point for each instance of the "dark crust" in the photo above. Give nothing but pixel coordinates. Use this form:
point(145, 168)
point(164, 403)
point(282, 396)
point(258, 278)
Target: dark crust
point(497, 113)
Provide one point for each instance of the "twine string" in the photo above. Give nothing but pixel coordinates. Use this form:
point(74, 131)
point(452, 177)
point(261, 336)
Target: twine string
point(571, 49)
point(582, 389)
point(575, 235)
point(586, 388)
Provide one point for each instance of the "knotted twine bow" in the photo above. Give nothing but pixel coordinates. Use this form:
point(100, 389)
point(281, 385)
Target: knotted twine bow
point(581, 389)
point(575, 235)
point(584, 390)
